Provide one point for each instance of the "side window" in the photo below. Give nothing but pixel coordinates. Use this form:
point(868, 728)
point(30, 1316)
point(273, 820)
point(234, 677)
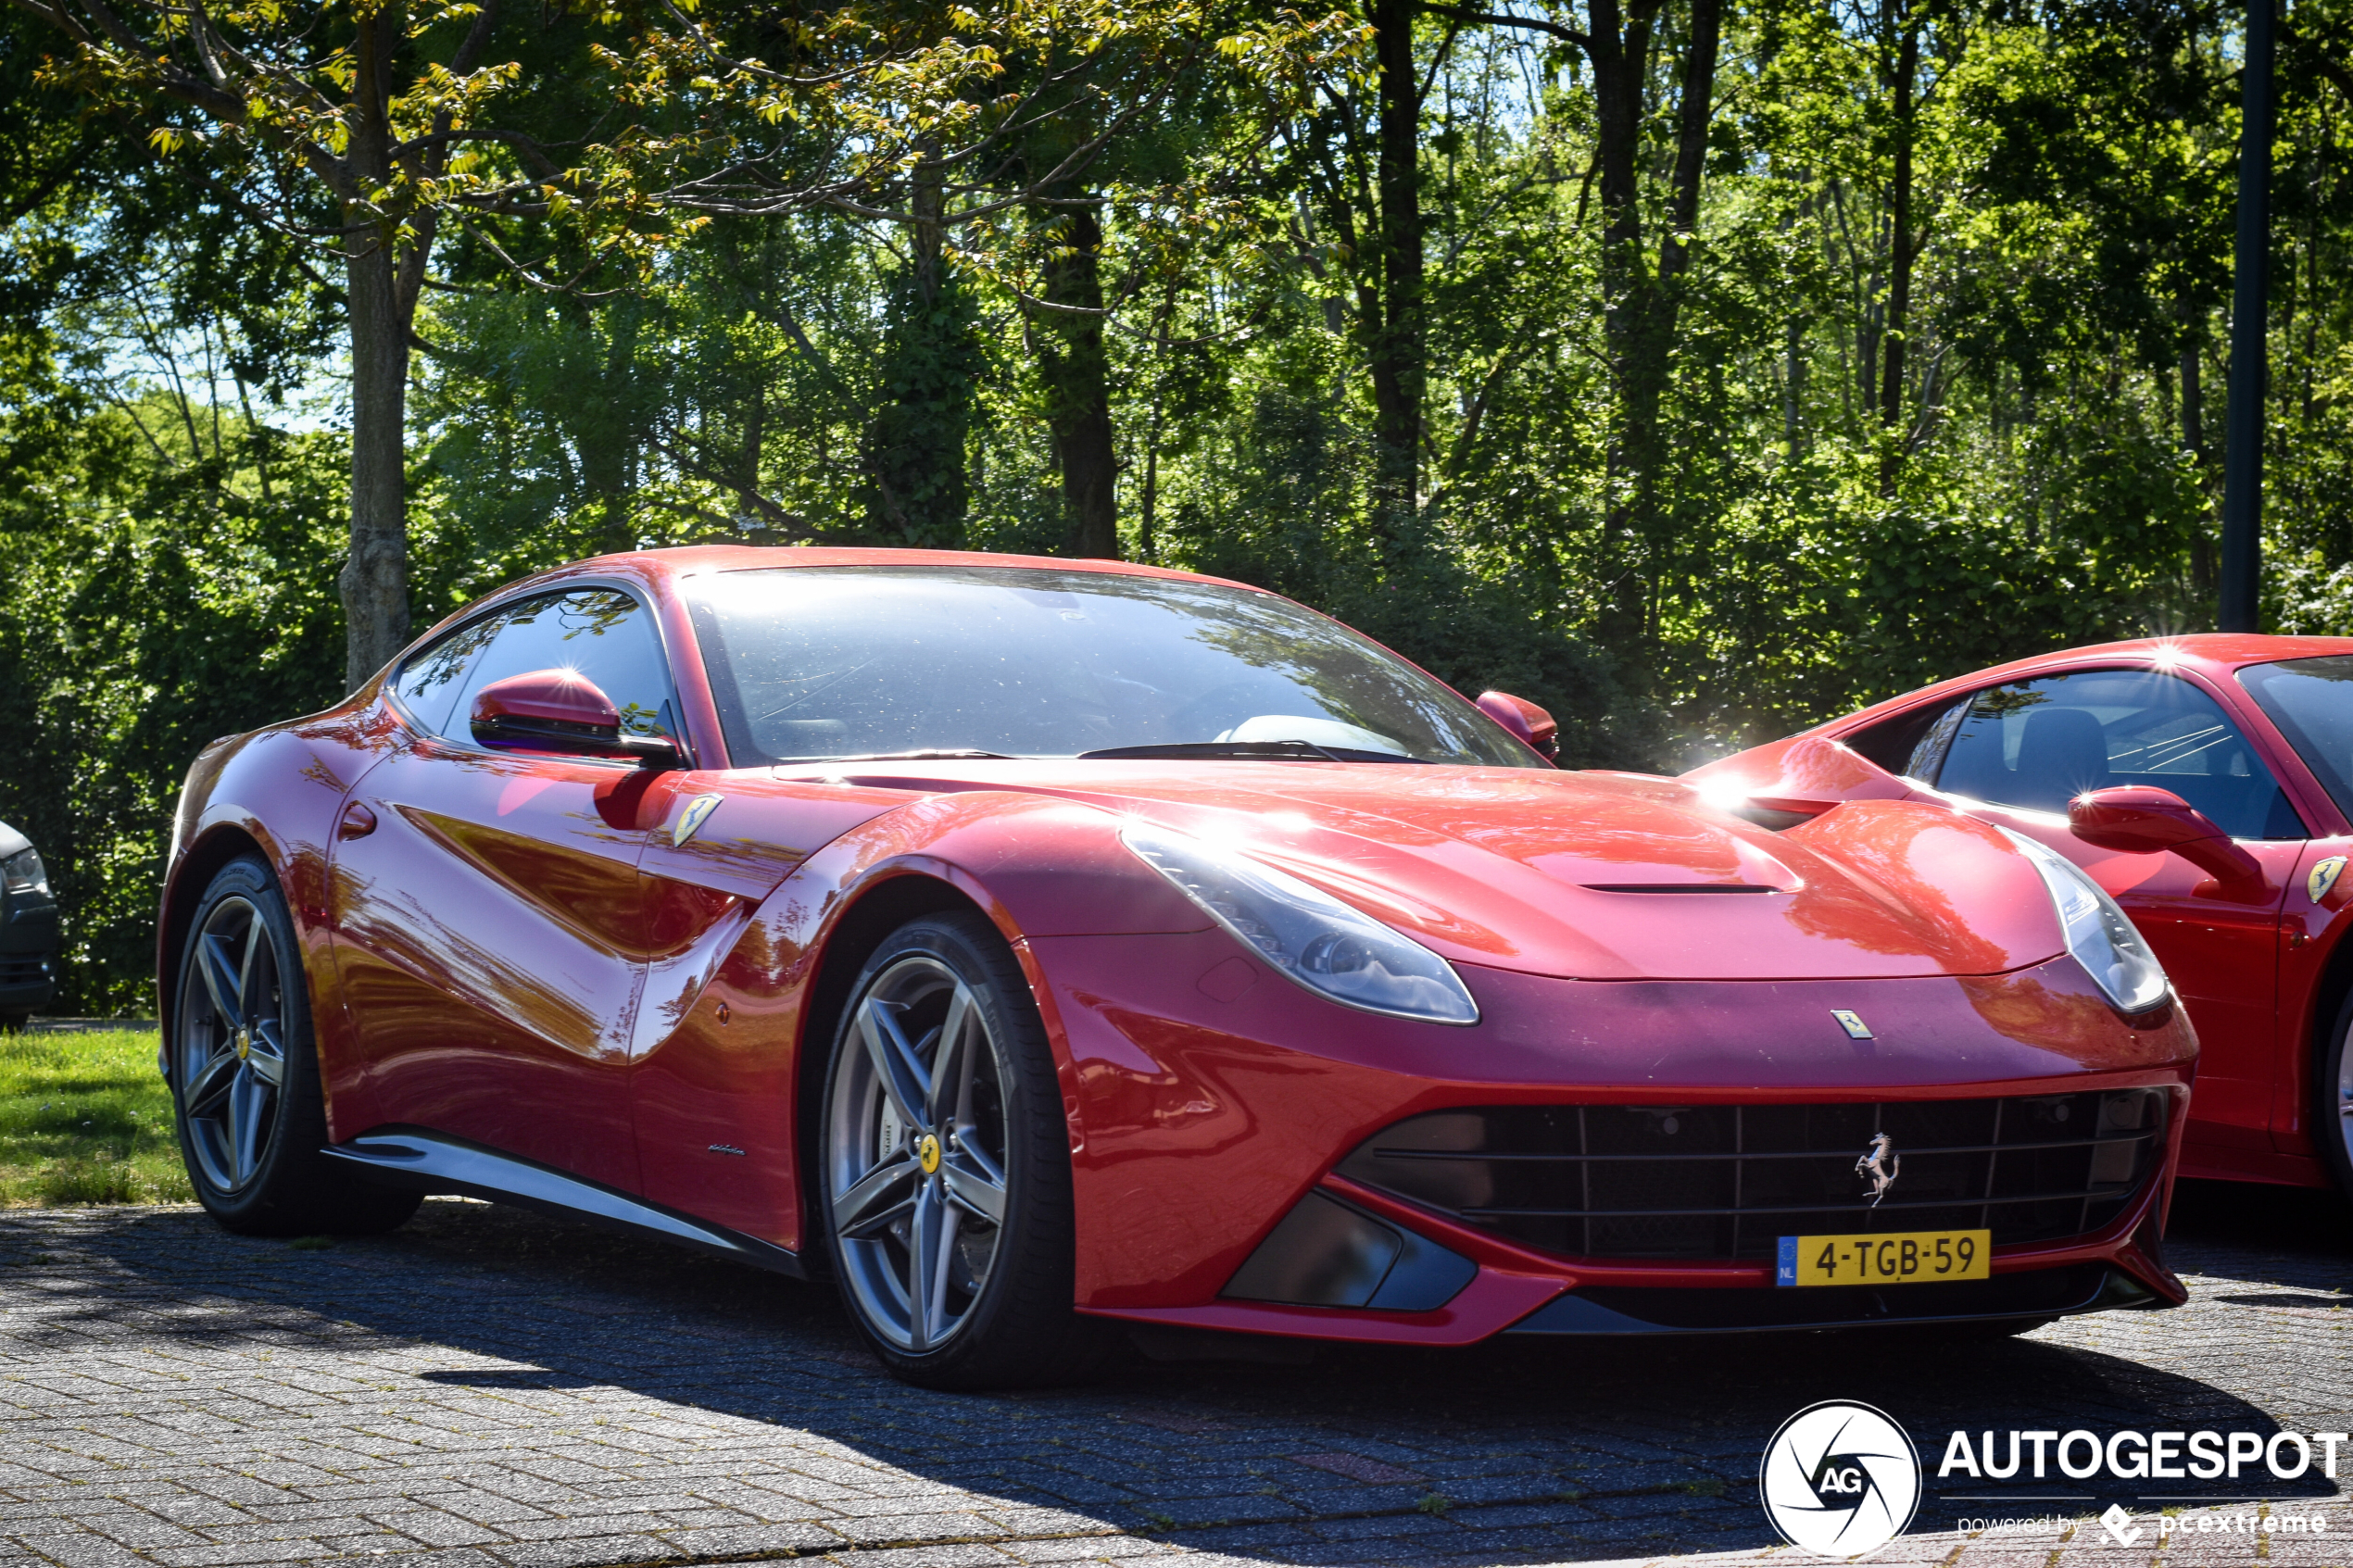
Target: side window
point(430, 682)
point(601, 632)
point(2038, 744)
point(1910, 744)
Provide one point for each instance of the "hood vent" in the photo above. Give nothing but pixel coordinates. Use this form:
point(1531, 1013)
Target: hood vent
point(1682, 887)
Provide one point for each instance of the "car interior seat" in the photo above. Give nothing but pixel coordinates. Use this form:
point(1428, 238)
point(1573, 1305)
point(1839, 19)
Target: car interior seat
point(2061, 753)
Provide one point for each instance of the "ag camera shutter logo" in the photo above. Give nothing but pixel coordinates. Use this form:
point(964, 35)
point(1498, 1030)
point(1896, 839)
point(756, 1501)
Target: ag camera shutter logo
point(1840, 1479)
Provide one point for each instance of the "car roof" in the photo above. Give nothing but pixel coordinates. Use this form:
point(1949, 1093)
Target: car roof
point(688, 560)
point(2216, 654)
point(674, 563)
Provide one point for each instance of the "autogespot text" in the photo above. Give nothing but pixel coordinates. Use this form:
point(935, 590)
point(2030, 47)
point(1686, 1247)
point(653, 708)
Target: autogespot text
point(2140, 1456)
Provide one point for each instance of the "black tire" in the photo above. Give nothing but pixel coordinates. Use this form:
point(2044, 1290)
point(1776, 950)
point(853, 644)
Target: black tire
point(996, 1312)
point(243, 1067)
point(2332, 1100)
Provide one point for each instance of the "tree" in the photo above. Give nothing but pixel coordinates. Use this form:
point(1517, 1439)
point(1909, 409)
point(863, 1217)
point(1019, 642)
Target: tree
point(372, 128)
point(1642, 301)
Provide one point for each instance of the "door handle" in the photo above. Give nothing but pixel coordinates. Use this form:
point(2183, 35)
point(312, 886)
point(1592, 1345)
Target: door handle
point(357, 822)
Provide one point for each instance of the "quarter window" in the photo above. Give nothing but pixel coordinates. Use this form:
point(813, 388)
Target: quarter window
point(1910, 744)
point(430, 681)
point(2038, 744)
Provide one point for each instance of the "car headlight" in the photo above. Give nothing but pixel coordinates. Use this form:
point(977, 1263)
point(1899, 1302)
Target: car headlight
point(23, 872)
point(1311, 937)
point(2097, 933)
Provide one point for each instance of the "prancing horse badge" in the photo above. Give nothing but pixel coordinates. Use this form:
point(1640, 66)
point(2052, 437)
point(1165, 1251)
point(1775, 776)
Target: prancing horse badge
point(697, 812)
point(2324, 877)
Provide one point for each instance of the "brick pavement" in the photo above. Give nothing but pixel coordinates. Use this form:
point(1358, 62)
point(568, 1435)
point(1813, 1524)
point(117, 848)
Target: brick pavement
point(491, 1389)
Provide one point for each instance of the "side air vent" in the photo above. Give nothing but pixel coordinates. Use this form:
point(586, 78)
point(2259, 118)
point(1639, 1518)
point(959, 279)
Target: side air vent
point(1327, 1253)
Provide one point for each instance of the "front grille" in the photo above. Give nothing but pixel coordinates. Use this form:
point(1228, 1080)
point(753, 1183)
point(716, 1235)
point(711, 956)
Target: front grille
point(1728, 1181)
point(24, 972)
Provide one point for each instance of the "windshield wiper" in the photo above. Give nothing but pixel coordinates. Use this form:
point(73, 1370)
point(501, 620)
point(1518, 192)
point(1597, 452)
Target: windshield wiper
point(927, 756)
point(1242, 750)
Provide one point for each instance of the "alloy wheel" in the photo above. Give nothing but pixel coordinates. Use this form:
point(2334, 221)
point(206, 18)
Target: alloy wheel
point(2345, 1094)
point(231, 1065)
point(915, 1163)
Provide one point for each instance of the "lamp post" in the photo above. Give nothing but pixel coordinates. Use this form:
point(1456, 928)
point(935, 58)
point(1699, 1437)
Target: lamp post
point(2243, 421)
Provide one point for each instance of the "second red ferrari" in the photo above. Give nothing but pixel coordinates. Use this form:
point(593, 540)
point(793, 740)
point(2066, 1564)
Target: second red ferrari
point(2206, 783)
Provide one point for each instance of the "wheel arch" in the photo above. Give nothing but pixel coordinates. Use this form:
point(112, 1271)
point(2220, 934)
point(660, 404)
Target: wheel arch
point(2328, 1001)
point(199, 863)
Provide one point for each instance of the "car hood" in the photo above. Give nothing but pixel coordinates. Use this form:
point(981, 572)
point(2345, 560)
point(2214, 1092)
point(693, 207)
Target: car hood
point(1597, 876)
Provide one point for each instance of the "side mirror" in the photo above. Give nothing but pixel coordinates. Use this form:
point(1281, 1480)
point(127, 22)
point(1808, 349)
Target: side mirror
point(1524, 720)
point(561, 710)
point(2139, 820)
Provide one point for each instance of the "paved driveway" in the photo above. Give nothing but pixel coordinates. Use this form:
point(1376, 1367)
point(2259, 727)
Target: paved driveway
point(490, 1387)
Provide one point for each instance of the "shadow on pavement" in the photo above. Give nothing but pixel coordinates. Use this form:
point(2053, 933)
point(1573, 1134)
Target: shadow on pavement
point(1601, 1447)
point(2252, 1214)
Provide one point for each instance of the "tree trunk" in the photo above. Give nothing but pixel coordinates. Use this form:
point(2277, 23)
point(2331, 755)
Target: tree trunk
point(2204, 578)
point(1398, 372)
point(1070, 350)
point(375, 576)
point(1147, 545)
point(1642, 309)
point(1619, 51)
point(915, 451)
point(374, 580)
point(1901, 251)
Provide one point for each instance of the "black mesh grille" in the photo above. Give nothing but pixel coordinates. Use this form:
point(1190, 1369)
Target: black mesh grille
point(22, 972)
point(1728, 1181)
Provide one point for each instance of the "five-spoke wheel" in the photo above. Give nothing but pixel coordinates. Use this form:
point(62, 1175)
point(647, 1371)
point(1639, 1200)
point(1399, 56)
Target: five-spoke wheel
point(245, 1072)
point(2332, 1099)
point(916, 1180)
point(2344, 1098)
point(945, 1166)
point(231, 1045)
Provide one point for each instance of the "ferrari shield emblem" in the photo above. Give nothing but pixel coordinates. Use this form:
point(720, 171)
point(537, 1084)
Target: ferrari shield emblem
point(2324, 877)
point(697, 812)
point(1853, 1023)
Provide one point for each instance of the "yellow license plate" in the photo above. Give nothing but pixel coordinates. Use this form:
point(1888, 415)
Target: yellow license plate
point(1885, 1258)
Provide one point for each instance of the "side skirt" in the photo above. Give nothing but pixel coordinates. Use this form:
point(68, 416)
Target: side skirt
point(428, 1161)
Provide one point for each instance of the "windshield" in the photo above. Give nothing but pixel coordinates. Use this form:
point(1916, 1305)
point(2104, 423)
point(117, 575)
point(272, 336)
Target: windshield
point(2312, 701)
point(812, 663)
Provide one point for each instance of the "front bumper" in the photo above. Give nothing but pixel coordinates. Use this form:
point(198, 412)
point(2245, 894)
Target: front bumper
point(1195, 1132)
point(27, 956)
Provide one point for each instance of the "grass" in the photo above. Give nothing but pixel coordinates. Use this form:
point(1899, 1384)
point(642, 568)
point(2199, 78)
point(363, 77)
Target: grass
point(86, 1119)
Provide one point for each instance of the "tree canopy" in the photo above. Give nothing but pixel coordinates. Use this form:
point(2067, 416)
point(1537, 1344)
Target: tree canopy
point(1695, 367)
